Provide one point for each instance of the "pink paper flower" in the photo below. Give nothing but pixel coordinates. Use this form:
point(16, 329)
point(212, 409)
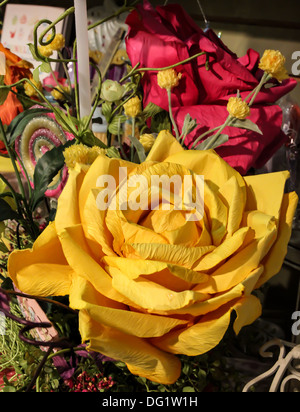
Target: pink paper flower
point(166, 35)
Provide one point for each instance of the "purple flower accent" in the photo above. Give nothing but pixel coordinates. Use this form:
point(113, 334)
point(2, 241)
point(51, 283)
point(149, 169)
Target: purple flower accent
point(67, 369)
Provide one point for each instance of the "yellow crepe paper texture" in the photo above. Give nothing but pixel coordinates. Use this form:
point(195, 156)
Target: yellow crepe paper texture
point(150, 286)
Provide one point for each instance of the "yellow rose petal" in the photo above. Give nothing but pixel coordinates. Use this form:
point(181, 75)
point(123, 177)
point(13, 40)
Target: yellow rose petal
point(228, 248)
point(107, 312)
point(170, 276)
point(93, 218)
point(80, 260)
point(68, 213)
point(234, 198)
point(241, 264)
point(34, 271)
point(265, 192)
point(142, 358)
point(248, 310)
point(176, 254)
point(151, 296)
point(211, 304)
point(208, 333)
point(165, 145)
point(273, 262)
point(206, 163)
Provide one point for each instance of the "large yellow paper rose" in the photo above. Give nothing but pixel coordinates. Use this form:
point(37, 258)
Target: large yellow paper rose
point(151, 284)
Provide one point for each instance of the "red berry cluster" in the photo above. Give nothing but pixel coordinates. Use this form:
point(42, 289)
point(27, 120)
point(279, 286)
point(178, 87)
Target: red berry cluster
point(87, 383)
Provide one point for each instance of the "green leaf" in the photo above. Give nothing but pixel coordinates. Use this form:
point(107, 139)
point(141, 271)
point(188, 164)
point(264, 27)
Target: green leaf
point(32, 51)
point(151, 110)
point(116, 123)
point(106, 110)
point(3, 91)
point(9, 389)
point(113, 153)
point(45, 67)
point(212, 143)
point(188, 389)
point(160, 122)
point(189, 125)
point(3, 247)
point(6, 212)
point(16, 127)
point(246, 124)
point(36, 74)
point(64, 120)
point(3, 95)
point(89, 139)
point(46, 169)
point(139, 148)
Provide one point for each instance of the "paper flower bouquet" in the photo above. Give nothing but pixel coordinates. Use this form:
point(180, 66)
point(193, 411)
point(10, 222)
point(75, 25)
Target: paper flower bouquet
point(160, 239)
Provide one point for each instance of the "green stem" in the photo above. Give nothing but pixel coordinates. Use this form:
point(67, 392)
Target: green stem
point(266, 77)
point(133, 135)
point(53, 355)
point(26, 214)
point(51, 26)
point(26, 175)
point(42, 97)
point(10, 153)
point(171, 114)
point(58, 88)
point(204, 135)
point(76, 86)
point(28, 99)
point(217, 135)
point(3, 3)
point(124, 102)
point(121, 143)
point(135, 70)
point(14, 194)
point(97, 100)
point(65, 69)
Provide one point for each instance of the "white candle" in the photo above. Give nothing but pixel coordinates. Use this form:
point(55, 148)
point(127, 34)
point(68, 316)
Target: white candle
point(81, 22)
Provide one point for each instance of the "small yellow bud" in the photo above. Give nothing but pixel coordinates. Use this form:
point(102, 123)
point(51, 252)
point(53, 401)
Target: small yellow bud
point(168, 79)
point(147, 141)
point(45, 51)
point(79, 153)
point(58, 42)
point(30, 91)
point(273, 63)
point(58, 92)
point(238, 108)
point(133, 107)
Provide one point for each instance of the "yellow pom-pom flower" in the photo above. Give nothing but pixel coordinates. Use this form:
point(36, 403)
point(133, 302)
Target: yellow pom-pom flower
point(273, 63)
point(81, 154)
point(168, 79)
point(45, 51)
point(147, 141)
point(30, 91)
point(133, 107)
point(238, 108)
point(59, 92)
point(57, 44)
